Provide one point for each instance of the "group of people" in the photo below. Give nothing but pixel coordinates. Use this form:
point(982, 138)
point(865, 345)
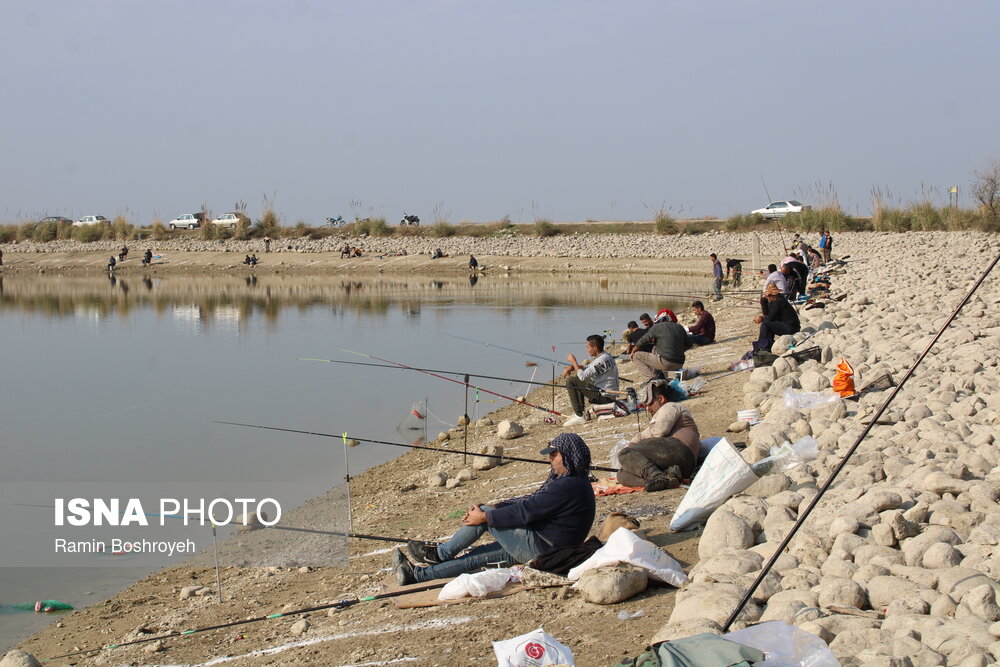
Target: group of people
point(147, 258)
point(349, 251)
point(251, 260)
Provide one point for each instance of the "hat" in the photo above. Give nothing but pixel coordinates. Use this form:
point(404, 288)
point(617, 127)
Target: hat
point(561, 442)
point(648, 395)
point(771, 289)
point(664, 315)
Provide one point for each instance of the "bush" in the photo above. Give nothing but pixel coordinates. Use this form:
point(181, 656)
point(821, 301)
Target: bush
point(64, 231)
point(242, 231)
point(121, 228)
point(25, 231)
point(269, 223)
point(890, 220)
point(545, 228)
point(159, 231)
point(90, 233)
point(209, 232)
point(664, 223)
point(8, 233)
point(442, 230)
point(821, 219)
point(742, 221)
point(44, 232)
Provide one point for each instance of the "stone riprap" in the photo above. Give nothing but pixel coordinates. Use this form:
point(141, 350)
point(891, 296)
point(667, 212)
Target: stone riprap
point(899, 563)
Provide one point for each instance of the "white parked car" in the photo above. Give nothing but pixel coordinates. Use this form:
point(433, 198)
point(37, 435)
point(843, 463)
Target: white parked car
point(229, 220)
point(187, 221)
point(779, 209)
point(90, 220)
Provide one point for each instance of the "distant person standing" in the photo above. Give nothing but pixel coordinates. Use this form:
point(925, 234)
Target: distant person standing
point(473, 264)
point(716, 277)
point(267, 243)
point(1, 256)
point(826, 244)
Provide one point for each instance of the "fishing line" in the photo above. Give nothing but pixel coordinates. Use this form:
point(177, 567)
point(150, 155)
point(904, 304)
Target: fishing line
point(339, 604)
point(850, 452)
point(424, 370)
point(509, 349)
point(509, 398)
point(393, 444)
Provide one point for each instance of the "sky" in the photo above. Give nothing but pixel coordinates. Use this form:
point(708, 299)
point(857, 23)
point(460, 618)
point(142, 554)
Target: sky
point(473, 110)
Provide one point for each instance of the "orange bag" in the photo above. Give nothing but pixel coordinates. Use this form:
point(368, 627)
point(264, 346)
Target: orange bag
point(843, 382)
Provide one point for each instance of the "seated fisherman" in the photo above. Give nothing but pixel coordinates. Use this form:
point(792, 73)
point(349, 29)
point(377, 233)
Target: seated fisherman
point(634, 334)
point(558, 514)
point(670, 439)
point(780, 319)
point(594, 381)
point(669, 342)
point(703, 331)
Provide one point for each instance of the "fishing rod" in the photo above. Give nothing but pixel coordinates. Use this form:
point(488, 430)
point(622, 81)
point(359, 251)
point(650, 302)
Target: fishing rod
point(424, 370)
point(466, 384)
point(509, 349)
point(339, 604)
point(394, 444)
point(850, 452)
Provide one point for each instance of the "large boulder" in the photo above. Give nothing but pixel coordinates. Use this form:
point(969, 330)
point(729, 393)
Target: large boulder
point(508, 430)
point(17, 658)
point(612, 584)
point(490, 458)
point(724, 530)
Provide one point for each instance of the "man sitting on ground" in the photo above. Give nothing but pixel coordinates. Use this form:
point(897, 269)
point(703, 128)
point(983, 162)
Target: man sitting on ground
point(796, 274)
point(669, 342)
point(781, 319)
point(558, 514)
point(594, 381)
point(634, 334)
point(671, 439)
point(703, 331)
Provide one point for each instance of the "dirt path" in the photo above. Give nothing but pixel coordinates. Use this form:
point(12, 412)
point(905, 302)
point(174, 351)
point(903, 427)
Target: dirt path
point(393, 499)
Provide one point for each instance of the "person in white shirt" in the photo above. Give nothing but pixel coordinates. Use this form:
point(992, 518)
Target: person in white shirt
point(666, 450)
point(774, 277)
point(594, 382)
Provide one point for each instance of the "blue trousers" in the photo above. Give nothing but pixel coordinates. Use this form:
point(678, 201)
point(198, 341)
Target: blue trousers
point(512, 546)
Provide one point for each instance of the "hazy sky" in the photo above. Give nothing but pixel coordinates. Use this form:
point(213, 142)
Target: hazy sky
point(562, 110)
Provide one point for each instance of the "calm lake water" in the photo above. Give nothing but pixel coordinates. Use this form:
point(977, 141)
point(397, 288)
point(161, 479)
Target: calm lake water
point(117, 384)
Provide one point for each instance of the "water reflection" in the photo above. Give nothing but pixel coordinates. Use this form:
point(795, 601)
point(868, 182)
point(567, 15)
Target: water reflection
point(232, 300)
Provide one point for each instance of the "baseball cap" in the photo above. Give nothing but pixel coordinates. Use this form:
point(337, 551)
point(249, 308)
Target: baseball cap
point(664, 315)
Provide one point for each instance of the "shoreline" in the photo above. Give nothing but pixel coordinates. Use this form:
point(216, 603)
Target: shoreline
point(392, 498)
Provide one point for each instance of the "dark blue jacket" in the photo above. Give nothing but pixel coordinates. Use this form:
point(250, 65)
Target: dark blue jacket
point(562, 513)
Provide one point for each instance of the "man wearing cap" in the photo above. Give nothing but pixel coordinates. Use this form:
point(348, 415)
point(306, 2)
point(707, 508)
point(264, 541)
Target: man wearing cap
point(779, 320)
point(671, 439)
point(669, 342)
point(593, 382)
point(558, 514)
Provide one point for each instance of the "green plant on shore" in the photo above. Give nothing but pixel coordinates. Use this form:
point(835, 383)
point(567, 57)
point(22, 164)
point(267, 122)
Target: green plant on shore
point(209, 231)
point(44, 232)
point(817, 220)
point(8, 233)
point(545, 228)
point(269, 223)
point(121, 228)
point(91, 233)
point(159, 230)
point(744, 221)
point(442, 230)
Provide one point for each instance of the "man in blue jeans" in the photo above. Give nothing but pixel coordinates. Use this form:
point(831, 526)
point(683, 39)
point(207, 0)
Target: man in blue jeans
point(559, 513)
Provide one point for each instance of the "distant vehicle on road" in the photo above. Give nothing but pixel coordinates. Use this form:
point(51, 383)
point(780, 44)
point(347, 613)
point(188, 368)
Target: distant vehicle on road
point(54, 219)
point(229, 220)
point(409, 220)
point(779, 209)
point(90, 220)
point(187, 221)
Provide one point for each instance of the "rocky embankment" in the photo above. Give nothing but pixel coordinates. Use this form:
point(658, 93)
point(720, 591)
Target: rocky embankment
point(725, 244)
point(899, 563)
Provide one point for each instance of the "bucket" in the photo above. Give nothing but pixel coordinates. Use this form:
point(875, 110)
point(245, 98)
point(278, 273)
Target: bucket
point(748, 415)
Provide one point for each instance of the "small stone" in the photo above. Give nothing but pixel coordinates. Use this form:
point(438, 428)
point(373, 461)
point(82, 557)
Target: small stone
point(190, 592)
point(154, 647)
point(444, 436)
point(453, 483)
point(464, 475)
point(508, 430)
point(738, 427)
point(769, 485)
point(437, 479)
point(723, 530)
point(839, 592)
point(463, 420)
point(490, 458)
point(299, 627)
point(485, 421)
point(613, 584)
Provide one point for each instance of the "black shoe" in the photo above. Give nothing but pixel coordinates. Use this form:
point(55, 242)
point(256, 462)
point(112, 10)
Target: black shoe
point(402, 568)
point(661, 483)
point(423, 552)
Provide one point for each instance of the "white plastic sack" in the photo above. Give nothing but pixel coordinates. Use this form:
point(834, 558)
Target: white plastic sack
point(615, 451)
point(803, 400)
point(624, 546)
point(531, 649)
point(785, 645)
point(477, 585)
point(706, 447)
point(723, 474)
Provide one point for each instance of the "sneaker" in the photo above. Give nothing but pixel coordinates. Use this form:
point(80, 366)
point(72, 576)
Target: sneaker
point(402, 568)
point(661, 483)
point(423, 552)
point(575, 420)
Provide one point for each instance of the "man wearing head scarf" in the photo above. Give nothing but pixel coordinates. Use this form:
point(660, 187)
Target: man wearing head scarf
point(669, 342)
point(558, 514)
point(779, 320)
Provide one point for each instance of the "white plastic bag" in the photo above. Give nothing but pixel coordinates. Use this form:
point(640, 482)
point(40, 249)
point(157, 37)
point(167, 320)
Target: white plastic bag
point(624, 546)
point(785, 645)
point(615, 451)
point(477, 585)
point(723, 475)
point(803, 400)
point(787, 456)
point(706, 447)
point(531, 649)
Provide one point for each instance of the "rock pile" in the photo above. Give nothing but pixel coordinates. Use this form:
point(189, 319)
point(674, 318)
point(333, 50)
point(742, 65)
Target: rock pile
point(900, 561)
